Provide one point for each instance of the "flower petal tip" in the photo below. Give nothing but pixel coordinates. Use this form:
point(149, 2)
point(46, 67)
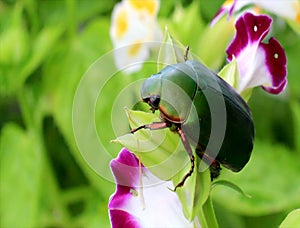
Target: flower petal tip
point(217, 16)
point(276, 90)
point(125, 169)
point(126, 157)
point(276, 64)
point(249, 29)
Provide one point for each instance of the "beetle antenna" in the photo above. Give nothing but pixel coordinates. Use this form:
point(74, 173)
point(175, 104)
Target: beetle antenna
point(192, 158)
point(185, 57)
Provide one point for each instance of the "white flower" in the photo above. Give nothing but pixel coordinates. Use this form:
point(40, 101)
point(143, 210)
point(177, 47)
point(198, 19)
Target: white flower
point(133, 26)
point(288, 9)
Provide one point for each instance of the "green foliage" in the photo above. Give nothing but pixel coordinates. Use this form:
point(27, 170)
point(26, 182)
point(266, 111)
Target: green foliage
point(46, 48)
point(17, 150)
point(292, 219)
point(159, 150)
point(44, 179)
point(271, 179)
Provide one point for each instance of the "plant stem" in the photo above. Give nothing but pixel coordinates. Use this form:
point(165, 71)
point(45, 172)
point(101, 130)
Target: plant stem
point(209, 214)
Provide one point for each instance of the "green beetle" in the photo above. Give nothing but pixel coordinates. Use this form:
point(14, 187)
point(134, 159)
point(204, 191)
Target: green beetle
point(205, 111)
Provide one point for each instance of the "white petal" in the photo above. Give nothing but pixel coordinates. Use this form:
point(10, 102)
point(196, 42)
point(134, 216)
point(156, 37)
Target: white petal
point(130, 58)
point(253, 69)
point(289, 9)
point(160, 207)
point(131, 28)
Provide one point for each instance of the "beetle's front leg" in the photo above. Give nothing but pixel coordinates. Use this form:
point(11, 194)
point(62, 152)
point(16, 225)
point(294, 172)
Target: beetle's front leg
point(152, 126)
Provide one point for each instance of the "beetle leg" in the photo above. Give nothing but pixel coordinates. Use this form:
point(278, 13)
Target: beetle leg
point(214, 165)
point(161, 125)
point(152, 126)
point(192, 158)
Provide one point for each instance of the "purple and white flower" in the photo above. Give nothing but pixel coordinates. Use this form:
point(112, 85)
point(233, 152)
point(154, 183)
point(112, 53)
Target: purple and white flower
point(150, 204)
point(260, 64)
point(289, 10)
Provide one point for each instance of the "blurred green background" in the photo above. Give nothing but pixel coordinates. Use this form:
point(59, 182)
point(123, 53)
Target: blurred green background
point(46, 46)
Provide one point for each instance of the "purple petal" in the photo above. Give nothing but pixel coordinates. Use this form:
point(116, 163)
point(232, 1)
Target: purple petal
point(121, 218)
point(276, 64)
point(126, 172)
point(229, 6)
point(260, 64)
point(218, 15)
point(226, 7)
point(249, 29)
point(231, 9)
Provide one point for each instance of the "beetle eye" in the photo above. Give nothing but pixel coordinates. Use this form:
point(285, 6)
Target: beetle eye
point(154, 101)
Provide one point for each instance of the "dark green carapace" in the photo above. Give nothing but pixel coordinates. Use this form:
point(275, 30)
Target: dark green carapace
point(206, 112)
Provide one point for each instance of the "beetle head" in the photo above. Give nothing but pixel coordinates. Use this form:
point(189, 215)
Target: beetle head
point(153, 101)
point(151, 90)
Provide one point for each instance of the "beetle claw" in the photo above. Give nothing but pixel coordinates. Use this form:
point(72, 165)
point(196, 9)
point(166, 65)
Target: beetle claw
point(137, 129)
point(181, 183)
point(173, 190)
point(152, 109)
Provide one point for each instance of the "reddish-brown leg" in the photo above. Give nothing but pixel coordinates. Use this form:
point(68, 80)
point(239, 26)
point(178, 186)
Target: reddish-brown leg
point(161, 125)
point(152, 126)
point(192, 158)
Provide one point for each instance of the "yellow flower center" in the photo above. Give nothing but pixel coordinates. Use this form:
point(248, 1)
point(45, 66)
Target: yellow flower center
point(134, 49)
point(298, 18)
point(148, 5)
point(296, 7)
point(228, 2)
point(121, 23)
point(257, 9)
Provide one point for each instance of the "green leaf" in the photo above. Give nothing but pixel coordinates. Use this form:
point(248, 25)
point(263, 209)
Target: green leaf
point(95, 212)
point(14, 38)
point(62, 74)
point(14, 45)
point(294, 25)
point(171, 52)
point(230, 73)
point(271, 178)
point(230, 185)
point(195, 191)
point(208, 216)
point(20, 177)
point(291, 220)
point(186, 23)
point(43, 45)
point(159, 150)
point(13, 76)
point(162, 152)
